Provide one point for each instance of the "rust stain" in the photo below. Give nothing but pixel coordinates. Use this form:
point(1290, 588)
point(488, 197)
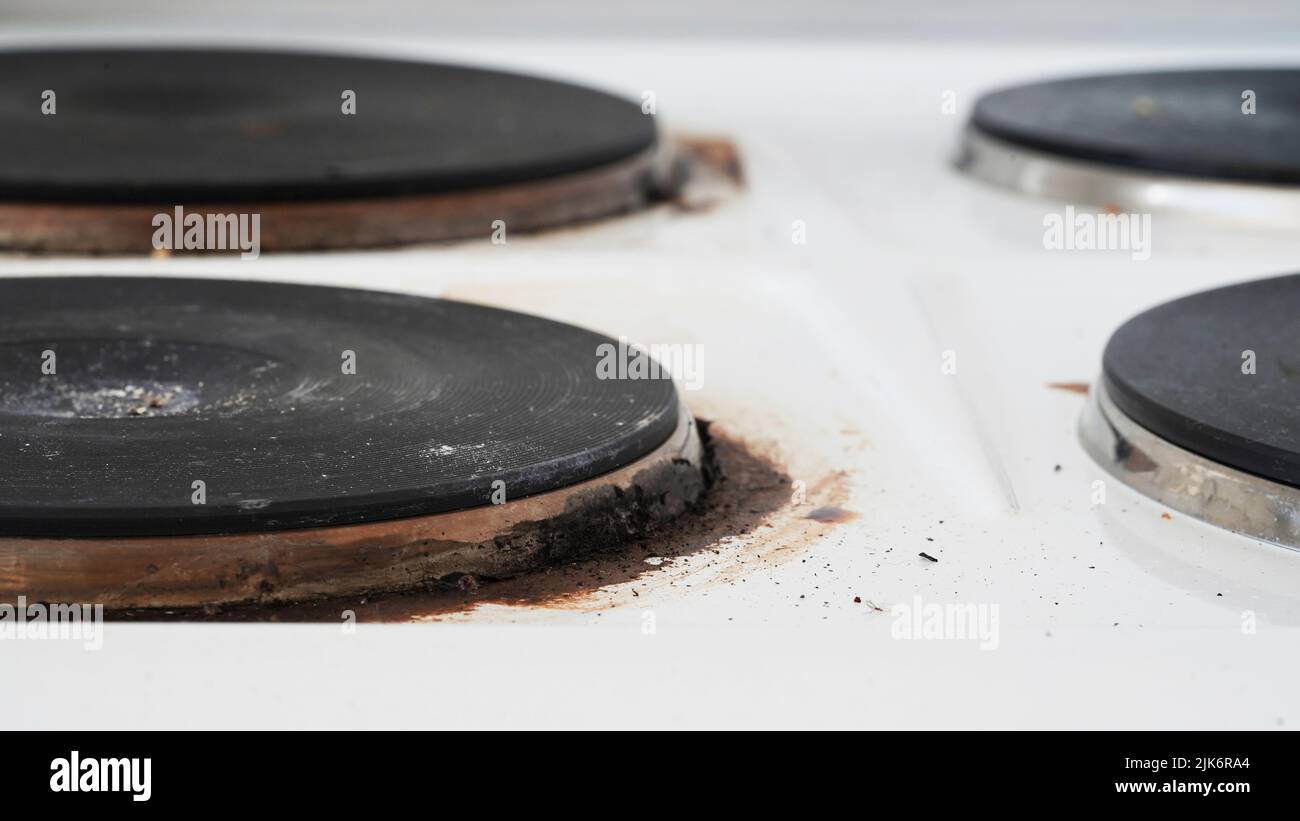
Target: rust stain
point(1070, 387)
point(1134, 459)
point(686, 205)
point(693, 174)
point(831, 514)
point(749, 493)
point(748, 523)
point(716, 154)
point(372, 222)
point(263, 568)
point(783, 536)
point(260, 130)
point(705, 173)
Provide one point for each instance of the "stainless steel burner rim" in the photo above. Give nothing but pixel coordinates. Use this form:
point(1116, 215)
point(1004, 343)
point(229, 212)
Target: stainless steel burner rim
point(1073, 181)
point(1191, 484)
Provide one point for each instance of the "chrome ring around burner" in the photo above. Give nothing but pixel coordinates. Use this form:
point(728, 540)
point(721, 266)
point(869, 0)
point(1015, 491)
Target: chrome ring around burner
point(1191, 484)
point(1115, 189)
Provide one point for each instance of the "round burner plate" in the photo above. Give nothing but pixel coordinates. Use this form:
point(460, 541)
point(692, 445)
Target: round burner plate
point(1199, 407)
point(227, 126)
point(1188, 123)
point(247, 388)
point(331, 150)
point(1183, 371)
point(1173, 140)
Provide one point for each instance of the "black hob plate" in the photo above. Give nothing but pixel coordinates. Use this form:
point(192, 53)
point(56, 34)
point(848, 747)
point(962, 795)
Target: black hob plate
point(225, 126)
point(159, 383)
point(1187, 123)
point(1181, 370)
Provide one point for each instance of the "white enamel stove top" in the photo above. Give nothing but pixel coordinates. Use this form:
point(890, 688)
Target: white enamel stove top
point(831, 354)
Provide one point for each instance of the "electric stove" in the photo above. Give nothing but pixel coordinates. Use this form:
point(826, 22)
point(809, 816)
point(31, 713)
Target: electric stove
point(902, 361)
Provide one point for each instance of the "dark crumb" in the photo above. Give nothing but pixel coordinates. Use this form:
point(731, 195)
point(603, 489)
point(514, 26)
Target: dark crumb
point(924, 555)
point(858, 599)
point(1057, 468)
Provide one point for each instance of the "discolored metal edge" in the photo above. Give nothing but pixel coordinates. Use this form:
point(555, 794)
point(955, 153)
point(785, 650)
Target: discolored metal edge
point(1113, 188)
point(319, 225)
point(1191, 484)
point(493, 541)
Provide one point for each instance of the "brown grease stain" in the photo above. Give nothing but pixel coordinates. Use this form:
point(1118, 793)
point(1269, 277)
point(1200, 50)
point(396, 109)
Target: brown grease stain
point(717, 155)
point(831, 514)
point(1070, 387)
point(1134, 459)
point(750, 490)
point(260, 130)
point(706, 172)
point(540, 205)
